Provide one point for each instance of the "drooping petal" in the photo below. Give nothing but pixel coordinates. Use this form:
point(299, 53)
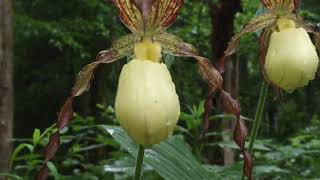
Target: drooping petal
point(82, 84)
point(173, 45)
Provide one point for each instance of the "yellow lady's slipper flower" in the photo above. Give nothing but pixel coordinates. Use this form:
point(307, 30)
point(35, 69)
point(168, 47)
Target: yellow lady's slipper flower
point(291, 60)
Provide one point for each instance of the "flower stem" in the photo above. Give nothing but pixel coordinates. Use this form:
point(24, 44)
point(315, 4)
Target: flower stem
point(257, 118)
point(137, 175)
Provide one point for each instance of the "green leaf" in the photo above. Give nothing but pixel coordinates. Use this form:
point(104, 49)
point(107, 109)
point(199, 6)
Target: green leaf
point(169, 60)
point(53, 170)
point(11, 176)
point(171, 159)
point(269, 169)
point(18, 150)
point(232, 145)
point(36, 136)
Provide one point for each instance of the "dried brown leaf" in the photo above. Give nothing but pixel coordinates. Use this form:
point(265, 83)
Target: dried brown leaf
point(260, 22)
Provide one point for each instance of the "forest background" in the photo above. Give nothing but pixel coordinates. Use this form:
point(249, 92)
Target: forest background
point(53, 40)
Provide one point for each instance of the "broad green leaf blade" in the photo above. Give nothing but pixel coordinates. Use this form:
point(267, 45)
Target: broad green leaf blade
point(18, 150)
point(53, 170)
point(171, 159)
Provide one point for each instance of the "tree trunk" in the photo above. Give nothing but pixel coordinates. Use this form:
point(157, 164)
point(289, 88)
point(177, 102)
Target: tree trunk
point(223, 15)
point(6, 85)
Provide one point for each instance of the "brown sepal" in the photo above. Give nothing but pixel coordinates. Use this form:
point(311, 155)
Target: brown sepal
point(53, 146)
point(163, 14)
point(283, 6)
point(130, 15)
point(144, 6)
point(240, 133)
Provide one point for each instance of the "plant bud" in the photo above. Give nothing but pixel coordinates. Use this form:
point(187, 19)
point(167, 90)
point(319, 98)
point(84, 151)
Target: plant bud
point(291, 60)
point(147, 104)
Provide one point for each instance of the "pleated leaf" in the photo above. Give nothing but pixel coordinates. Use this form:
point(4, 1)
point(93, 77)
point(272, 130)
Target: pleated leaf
point(171, 159)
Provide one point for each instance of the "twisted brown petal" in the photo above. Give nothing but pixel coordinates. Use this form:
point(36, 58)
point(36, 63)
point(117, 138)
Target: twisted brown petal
point(53, 146)
point(248, 164)
point(175, 46)
point(43, 173)
point(240, 133)
point(82, 84)
point(260, 22)
point(229, 104)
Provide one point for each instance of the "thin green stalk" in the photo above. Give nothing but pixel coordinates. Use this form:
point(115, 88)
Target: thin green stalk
point(257, 118)
point(137, 175)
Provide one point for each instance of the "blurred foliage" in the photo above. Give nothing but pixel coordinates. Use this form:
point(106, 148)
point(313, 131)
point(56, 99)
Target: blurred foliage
point(53, 40)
